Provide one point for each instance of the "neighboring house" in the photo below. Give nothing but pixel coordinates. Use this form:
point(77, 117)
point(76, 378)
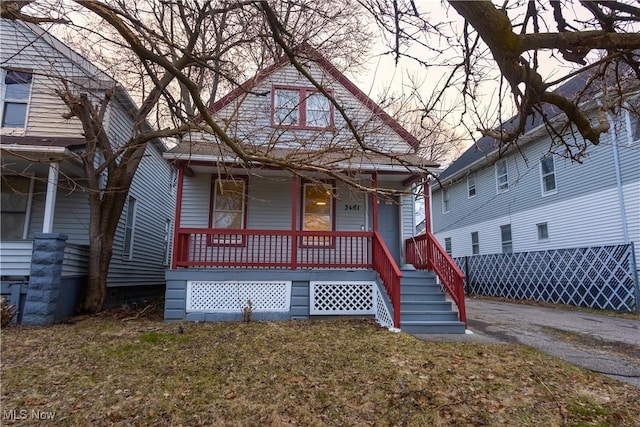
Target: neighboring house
point(298, 244)
point(42, 174)
point(531, 199)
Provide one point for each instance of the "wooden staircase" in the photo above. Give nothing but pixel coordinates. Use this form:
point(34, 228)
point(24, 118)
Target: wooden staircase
point(424, 308)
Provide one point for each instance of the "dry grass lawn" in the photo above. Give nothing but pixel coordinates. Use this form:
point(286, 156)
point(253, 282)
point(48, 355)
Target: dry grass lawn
point(108, 370)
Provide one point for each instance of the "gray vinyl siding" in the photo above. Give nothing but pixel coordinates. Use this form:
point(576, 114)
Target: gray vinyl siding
point(584, 210)
point(251, 115)
point(155, 205)
point(71, 215)
point(268, 204)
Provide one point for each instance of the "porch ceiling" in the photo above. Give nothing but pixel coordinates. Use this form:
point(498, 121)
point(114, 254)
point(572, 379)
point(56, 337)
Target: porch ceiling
point(34, 160)
point(209, 157)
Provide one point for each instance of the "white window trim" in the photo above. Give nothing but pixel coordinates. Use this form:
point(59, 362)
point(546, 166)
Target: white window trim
point(506, 174)
point(477, 233)
point(542, 239)
point(555, 181)
point(503, 242)
point(446, 205)
point(167, 242)
point(129, 256)
point(3, 74)
point(475, 188)
point(629, 126)
point(450, 251)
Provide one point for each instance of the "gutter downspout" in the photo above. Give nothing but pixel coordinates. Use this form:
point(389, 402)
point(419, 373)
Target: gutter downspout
point(616, 161)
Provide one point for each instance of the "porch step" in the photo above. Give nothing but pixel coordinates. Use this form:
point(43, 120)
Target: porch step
point(434, 315)
point(424, 308)
point(433, 327)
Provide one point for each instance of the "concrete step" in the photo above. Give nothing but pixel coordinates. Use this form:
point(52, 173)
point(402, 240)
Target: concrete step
point(428, 315)
point(436, 327)
point(420, 305)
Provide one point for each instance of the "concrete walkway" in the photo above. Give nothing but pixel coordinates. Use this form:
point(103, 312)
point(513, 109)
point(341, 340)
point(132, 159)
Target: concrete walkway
point(605, 344)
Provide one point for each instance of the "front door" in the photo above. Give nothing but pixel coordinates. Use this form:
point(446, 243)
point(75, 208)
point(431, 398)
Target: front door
point(389, 226)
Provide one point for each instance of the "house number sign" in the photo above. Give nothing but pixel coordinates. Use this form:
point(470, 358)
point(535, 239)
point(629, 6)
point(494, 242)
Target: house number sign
point(348, 207)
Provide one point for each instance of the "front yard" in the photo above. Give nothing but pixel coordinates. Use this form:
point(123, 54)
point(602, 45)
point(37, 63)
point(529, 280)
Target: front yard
point(116, 370)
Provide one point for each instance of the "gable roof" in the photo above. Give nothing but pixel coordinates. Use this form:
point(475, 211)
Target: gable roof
point(95, 79)
point(484, 147)
point(327, 66)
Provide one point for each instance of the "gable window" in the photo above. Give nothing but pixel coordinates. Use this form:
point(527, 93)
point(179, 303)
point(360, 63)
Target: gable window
point(548, 175)
point(505, 237)
point(301, 108)
point(17, 89)
point(475, 243)
point(317, 214)
point(447, 245)
point(445, 201)
point(14, 203)
point(543, 231)
point(129, 229)
point(471, 185)
point(502, 176)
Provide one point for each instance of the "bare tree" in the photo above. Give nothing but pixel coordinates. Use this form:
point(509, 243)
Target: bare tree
point(597, 39)
point(179, 55)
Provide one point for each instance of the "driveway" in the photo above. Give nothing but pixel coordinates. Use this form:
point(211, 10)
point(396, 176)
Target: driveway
point(605, 344)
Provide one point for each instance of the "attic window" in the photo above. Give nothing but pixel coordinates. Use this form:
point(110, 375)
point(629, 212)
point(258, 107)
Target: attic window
point(16, 89)
point(301, 108)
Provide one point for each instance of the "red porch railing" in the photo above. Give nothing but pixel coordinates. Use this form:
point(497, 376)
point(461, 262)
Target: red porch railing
point(390, 274)
point(425, 253)
point(200, 247)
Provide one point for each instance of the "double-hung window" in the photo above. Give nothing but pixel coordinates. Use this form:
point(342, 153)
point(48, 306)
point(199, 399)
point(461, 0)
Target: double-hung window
point(447, 245)
point(475, 243)
point(228, 208)
point(15, 201)
point(548, 175)
point(129, 229)
point(505, 237)
point(16, 91)
point(502, 176)
point(471, 185)
point(633, 123)
point(543, 231)
point(317, 212)
point(445, 201)
point(301, 108)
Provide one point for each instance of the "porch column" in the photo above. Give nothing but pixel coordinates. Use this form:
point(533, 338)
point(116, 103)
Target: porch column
point(294, 222)
point(176, 225)
point(45, 279)
point(50, 203)
point(374, 201)
point(426, 189)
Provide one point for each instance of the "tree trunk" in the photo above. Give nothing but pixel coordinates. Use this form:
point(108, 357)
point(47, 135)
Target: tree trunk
point(95, 292)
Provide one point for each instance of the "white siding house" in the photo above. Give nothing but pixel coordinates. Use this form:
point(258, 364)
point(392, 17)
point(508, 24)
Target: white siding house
point(42, 172)
point(534, 199)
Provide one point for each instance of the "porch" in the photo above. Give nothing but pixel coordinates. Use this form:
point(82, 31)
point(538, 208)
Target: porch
point(301, 274)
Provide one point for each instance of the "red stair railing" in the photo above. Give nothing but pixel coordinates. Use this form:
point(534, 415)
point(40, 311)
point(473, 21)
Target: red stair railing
point(425, 253)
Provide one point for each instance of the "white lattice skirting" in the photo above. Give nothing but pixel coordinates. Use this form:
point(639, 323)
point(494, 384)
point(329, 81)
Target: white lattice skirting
point(232, 296)
point(348, 298)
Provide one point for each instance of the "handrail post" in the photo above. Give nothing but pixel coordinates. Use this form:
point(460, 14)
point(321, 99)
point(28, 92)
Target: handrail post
point(396, 302)
point(294, 222)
